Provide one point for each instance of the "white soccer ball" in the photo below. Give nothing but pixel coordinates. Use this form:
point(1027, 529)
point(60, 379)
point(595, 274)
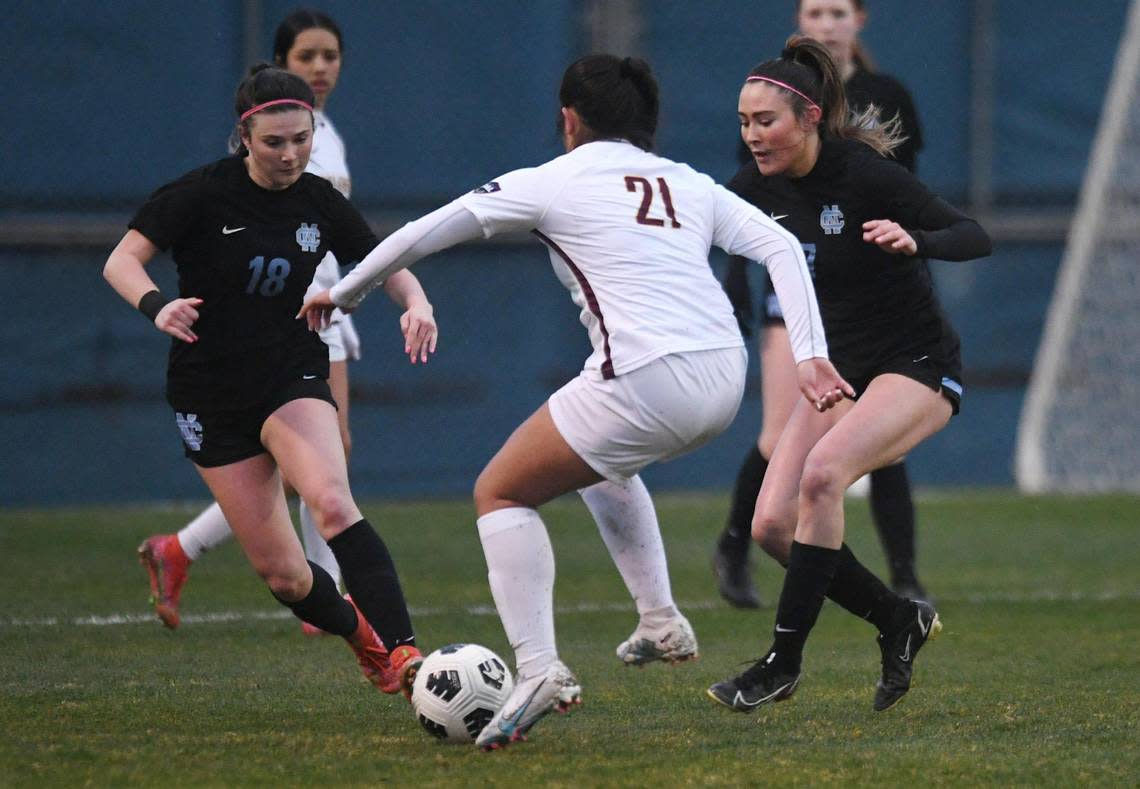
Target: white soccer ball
point(458, 689)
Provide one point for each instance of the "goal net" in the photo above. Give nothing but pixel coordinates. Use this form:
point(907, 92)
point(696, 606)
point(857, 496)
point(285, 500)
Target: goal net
point(1080, 428)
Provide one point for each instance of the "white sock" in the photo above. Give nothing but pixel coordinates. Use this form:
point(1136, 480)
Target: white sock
point(317, 550)
point(208, 530)
point(520, 568)
point(628, 524)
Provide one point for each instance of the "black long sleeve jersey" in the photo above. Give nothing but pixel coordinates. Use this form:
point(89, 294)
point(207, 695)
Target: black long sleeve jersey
point(874, 304)
point(249, 253)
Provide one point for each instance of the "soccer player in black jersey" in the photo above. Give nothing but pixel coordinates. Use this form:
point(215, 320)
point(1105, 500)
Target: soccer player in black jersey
point(836, 24)
point(248, 382)
point(867, 226)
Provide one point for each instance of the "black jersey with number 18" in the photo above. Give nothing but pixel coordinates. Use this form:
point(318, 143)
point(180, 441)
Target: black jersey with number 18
point(249, 253)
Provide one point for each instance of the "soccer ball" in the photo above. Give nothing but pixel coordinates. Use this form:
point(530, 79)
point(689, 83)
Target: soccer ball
point(458, 689)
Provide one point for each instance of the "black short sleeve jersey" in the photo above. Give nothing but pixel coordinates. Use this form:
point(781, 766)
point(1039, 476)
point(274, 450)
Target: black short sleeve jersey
point(888, 94)
point(871, 301)
point(250, 254)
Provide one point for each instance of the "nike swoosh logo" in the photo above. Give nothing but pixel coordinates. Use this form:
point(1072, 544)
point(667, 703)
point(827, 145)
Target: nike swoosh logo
point(226, 230)
point(510, 722)
point(785, 629)
point(905, 656)
point(924, 627)
point(741, 700)
point(919, 359)
point(308, 377)
point(778, 217)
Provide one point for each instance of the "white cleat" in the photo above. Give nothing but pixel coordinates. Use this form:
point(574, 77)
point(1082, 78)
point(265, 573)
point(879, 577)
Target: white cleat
point(674, 642)
point(555, 690)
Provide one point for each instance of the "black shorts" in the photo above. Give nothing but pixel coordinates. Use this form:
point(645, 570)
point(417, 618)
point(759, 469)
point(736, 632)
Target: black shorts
point(928, 366)
point(218, 438)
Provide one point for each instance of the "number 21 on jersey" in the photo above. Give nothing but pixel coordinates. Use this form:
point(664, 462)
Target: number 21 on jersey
point(634, 183)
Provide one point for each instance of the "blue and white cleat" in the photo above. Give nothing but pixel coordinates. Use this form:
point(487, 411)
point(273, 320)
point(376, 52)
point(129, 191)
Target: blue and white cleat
point(555, 690)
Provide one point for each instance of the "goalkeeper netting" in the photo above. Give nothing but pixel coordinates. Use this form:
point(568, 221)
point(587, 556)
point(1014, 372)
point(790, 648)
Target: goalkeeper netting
point(1080, 428)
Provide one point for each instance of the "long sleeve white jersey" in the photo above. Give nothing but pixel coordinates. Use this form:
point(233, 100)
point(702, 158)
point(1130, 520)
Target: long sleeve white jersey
point(629, 235)
point(328, 160)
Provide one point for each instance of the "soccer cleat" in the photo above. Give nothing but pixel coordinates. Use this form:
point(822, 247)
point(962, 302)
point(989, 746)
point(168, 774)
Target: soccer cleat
point(403, 664)
point(672, 643)
point(760, 684)
point(734, 578)
point(555, 690)
point(167, 565)
point(912, 590)
point(370, 651)
point(899, 650)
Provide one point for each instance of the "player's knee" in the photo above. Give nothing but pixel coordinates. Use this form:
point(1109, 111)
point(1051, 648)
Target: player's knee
point(821, 481)
point(333, 511)
point(286, 584)
point(773, 533)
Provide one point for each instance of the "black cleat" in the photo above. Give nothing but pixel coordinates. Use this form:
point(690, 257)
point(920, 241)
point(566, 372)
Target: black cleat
point(911, 589)
point(760, 684)
point(734, 578)
point(899, 650)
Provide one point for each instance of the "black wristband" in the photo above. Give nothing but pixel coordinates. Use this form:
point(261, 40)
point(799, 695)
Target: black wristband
point(152, 303)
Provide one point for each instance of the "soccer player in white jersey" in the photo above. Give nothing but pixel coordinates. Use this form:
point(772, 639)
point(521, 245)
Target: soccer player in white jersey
point(309, 44)
point(629, 235)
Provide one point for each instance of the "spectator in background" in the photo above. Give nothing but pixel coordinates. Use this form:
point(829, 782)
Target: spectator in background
point(870, 225)
point(248, 382)
point(836, 24)
point(309, 44)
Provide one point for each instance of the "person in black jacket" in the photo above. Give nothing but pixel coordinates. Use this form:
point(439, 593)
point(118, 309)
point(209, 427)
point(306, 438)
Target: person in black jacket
point(867, 225)
point(248, 383)
point(836, 24)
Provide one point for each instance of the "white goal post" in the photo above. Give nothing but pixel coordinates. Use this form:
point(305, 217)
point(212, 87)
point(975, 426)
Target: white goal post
point(1080, 426)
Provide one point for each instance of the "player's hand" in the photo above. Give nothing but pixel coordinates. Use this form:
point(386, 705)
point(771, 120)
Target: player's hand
point(318, 311)
point(822, 384)
point(889, 237)
point(420, 332)
point(177, 317)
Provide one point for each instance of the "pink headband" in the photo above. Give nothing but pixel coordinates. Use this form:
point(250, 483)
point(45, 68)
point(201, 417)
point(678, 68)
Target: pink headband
point(260, 107)
point(787, 87)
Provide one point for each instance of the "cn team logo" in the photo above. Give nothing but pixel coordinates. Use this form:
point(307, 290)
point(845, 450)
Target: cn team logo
point(487, 188)
point(831, 220)
point(191, 430)
point(308, 237)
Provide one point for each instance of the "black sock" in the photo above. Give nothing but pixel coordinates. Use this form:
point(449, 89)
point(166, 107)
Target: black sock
point(370, 577)
point(810, 570)
point(737, 535)
point(859, 591)
point(892, 509)
point(323, 607)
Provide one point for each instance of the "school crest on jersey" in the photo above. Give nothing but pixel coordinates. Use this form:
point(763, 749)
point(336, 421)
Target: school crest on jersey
point(831, 220)
point(308, 237)
point(487, 188)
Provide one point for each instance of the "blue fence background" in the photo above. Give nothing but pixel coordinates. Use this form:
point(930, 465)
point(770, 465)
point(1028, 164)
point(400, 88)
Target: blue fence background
point(437, 97)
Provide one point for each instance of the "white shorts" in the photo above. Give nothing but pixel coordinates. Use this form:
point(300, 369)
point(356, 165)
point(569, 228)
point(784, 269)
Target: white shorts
point(341, 338)
point(669, 407)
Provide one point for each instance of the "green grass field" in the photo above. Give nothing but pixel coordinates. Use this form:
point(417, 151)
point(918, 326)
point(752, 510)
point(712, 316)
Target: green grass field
point(1035, 680)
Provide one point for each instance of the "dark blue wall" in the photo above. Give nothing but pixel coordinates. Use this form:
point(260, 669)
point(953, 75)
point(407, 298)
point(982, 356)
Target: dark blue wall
point(436, 97)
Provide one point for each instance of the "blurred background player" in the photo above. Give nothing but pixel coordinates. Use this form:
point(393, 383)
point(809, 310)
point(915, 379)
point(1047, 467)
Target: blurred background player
point(871, 225)
point(629, 235)
point(309, 44)
point(249, 384)
point(836, 24)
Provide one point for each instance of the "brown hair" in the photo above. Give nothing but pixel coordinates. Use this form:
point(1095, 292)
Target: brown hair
point(806, 66)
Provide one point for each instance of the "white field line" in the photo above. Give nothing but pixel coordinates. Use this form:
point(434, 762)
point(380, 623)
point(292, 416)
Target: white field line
point(148, 617)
